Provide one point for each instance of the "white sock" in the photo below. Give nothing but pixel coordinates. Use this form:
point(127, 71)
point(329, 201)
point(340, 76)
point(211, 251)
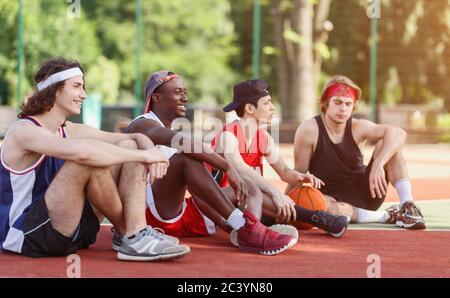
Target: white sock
point(366, 216)
point(236, 219)
point(403, 187)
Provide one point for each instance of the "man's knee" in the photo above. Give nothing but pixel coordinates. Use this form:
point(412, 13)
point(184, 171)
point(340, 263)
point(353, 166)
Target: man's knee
point(184, 161)
point(100, 172)
point(131, 144)
point(76, 169)
point(340, 208)
point(398, 156)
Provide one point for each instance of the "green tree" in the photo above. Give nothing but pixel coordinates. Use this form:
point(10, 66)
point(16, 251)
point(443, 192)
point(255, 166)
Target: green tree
point(48, 33)
point(194, 39)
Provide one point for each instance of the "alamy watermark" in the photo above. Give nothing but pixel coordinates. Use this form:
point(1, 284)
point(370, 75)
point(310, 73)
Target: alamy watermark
point(74, 9)
point(74, 268)
point(374, 9)
point(374, 269)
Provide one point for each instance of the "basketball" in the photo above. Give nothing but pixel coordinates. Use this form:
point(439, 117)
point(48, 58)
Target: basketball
point(309, 198)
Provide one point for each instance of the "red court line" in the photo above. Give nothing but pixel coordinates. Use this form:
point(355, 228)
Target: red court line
point(402, 254)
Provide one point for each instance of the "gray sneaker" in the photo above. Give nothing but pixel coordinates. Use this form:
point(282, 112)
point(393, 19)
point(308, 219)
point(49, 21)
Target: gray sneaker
point(117, 238)
point(148, 245)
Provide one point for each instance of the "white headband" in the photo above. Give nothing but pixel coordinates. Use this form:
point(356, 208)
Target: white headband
point(59, 77)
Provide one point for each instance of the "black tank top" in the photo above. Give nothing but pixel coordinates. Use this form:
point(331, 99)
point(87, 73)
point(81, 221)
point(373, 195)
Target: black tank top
point(336, 164)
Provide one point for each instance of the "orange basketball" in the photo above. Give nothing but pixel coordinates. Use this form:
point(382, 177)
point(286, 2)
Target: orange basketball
point(309, 198)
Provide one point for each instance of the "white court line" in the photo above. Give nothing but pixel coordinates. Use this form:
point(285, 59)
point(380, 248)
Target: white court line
point(419, 201)
point(395, 229)
point(432, 201)
point(355, 227)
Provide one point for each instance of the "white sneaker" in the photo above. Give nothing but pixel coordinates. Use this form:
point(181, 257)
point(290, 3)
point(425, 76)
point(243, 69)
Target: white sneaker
point(117, 237)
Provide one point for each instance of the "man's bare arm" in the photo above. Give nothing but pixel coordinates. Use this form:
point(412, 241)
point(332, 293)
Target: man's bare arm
point(288, 175)
point(85, 151)
point(304, 142)
point(76, 130)
point(393, 138)
point(164, 136)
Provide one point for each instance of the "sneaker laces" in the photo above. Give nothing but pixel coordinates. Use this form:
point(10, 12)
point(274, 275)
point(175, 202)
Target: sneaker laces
point(413, 210)
point(159, 231)
point(326, 220)
point(153, 233)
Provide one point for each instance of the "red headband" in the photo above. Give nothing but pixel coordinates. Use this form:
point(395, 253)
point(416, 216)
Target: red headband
point(157, 83)
point(339, 89)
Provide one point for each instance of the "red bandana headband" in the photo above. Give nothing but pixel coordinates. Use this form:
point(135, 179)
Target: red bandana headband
point(339, 89)
point(158, 83)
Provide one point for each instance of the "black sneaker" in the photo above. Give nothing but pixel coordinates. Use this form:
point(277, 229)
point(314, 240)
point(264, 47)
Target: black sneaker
point(336, 226)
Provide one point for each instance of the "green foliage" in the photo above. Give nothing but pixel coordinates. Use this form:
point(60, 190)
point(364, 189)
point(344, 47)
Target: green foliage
point(104, 77)
point(392, 92)
point(195, 39)
point(444, 138)
point(443, 121)
point(48, 32)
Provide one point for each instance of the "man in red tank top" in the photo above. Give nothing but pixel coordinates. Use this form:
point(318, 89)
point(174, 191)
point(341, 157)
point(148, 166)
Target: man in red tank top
point(244, 143)
point(328, 146)
point(168, 208)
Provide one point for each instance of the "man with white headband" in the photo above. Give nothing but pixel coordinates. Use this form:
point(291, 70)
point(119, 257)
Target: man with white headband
point(328, 147)
point(58, 180)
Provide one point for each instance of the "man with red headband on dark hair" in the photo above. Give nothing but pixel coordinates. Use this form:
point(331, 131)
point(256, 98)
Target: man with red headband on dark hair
point(328, 146)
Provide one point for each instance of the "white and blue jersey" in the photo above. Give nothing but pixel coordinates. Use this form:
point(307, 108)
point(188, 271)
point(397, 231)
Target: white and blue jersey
point(167, 151)
point(19, 190)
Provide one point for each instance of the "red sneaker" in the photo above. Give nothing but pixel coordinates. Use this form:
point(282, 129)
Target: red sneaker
point(256, 237)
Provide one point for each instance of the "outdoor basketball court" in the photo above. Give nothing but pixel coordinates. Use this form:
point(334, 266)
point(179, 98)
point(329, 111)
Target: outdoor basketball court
point(398, 252)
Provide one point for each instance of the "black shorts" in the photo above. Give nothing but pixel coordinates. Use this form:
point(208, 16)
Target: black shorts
point(356, 191)
point(42, 240)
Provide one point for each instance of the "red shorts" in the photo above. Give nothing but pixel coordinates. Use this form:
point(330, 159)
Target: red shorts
point(190, 222)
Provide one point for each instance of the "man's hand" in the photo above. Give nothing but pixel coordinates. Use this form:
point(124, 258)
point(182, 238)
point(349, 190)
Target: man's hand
point(285, 207)
point(238, 184)
point(156, 165)
point(295, 178)
point(377, 181)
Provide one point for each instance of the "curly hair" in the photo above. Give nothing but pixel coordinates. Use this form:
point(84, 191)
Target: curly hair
point(44, 100)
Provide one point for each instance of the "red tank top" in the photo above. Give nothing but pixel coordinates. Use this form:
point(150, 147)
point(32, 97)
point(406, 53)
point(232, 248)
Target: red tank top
point(253, 156)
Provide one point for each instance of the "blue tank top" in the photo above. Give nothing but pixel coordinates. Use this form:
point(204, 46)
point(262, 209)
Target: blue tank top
point(19, 190)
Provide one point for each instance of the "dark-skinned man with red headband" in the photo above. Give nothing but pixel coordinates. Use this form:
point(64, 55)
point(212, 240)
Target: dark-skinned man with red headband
point(168, 209)
point(328, 146)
